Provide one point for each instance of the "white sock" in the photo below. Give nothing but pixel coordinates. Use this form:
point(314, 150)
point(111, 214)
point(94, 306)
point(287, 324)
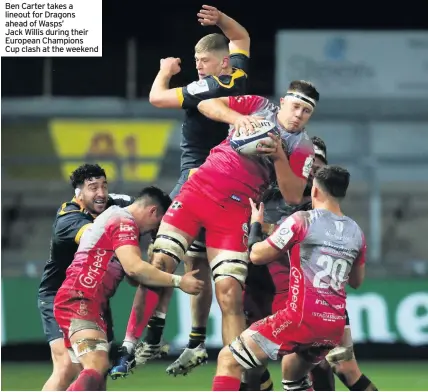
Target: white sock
point(129, 345)
point(159, 315)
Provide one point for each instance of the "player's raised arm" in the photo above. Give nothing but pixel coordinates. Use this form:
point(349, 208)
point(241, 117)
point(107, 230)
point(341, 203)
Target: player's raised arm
point(265, 251)
point(237, 34)
point(161, 95)
point(146, 274)
point(233, 110)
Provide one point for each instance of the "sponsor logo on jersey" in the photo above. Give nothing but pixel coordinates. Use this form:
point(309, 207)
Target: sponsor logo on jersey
point(296, 277)
point(201, 86)
point(89, 278)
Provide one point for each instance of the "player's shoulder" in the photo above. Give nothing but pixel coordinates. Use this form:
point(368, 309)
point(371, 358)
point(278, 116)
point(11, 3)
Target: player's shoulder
point(69, 207)
point(233, 83)
point(304, 139)
point(70, 216)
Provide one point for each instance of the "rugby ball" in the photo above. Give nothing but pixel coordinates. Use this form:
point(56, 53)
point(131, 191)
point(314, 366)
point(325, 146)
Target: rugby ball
point(247, 144)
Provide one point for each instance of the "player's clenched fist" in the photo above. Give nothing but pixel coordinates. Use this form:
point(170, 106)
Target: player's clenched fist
point(190, 284)
point(170, 65)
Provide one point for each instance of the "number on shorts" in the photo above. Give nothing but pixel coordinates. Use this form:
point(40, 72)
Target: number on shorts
point(335, 268)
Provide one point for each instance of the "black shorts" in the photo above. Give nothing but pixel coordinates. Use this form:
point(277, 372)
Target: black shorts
point(347, 317)
point(51, 328)
point(185, 174)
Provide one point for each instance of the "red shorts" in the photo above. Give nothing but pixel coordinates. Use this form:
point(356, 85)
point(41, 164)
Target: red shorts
point(225, 222)
point(73, 312)
point(312, 337)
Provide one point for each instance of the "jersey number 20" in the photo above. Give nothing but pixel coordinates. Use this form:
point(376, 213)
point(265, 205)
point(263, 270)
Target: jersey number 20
point(336, 269)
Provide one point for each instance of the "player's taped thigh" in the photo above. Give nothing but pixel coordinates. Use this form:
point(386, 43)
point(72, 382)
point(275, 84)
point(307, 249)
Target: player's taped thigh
point(230, 264)
point(170, 244)
point(297, 385)
point(343, 352)
point(197, 250)
point(243, 354)
point(87, 345)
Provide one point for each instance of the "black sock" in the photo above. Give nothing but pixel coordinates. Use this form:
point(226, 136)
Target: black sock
point(363, 384)
point(266, 383)
point(154, 330)
point(323, 378)
point(197, 336)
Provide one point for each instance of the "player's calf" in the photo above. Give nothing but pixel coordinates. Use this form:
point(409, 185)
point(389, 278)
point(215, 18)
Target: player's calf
point(242, 354)
point(64, 370)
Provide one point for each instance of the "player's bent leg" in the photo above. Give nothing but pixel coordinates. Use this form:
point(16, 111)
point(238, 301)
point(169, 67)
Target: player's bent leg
point(64, 370)
point(345, 366)
point(295, 370)
point(242, 354)
point(257, 305)
point(323, 377)
point(91, 348)
point(195, 353)
point(229, 269)
point(168, 250)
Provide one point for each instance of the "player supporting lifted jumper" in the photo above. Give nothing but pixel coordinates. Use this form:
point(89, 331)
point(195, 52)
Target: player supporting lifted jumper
point(108, 251)
point(327, 250)
point(89, 182)
point(223, 70)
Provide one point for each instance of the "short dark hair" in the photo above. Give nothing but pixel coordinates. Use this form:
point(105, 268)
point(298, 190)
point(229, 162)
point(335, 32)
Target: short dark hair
point(86, 172)
point(318, 142)
point(212, 43)
point(154, 195)
point(334, 180)
point(306, 88)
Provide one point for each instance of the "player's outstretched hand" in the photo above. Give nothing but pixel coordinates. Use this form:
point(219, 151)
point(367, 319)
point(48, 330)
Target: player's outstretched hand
point(244, 125)
point(170, 65)
point(209, 16)
point(257, 213)
point(190, 285)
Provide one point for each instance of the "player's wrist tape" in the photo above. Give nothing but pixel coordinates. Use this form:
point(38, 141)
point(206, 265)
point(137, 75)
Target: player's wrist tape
point(176, 279)
point(255, 235)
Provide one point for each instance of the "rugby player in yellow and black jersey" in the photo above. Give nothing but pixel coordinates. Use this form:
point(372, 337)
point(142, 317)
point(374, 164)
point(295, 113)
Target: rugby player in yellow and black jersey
point(72, 219)
point(222, 63)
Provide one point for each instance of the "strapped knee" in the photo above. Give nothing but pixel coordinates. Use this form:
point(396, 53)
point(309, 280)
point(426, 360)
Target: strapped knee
point(340, 354)
point(243, 354)
point(171, 244)
point(229, 264)
point(297, 385)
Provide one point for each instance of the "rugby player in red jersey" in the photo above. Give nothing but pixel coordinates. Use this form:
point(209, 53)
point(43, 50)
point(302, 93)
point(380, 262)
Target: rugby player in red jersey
point(216, 196)
point(326, 251)
point(109, 250)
